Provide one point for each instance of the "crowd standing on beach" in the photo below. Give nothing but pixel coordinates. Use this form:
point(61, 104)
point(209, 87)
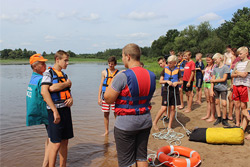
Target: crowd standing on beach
point(128, 94)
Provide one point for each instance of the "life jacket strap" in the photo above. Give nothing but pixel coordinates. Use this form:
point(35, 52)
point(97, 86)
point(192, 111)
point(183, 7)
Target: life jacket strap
point(134, 98)
point(127, 106)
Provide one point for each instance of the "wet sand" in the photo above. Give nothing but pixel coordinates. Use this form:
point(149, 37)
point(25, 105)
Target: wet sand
point(211, 155)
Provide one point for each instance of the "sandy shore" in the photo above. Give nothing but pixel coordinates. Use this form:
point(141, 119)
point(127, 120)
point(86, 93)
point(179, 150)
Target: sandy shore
point(211, 155)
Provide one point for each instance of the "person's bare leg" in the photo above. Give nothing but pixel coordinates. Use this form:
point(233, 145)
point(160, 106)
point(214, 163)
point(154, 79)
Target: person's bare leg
point(231, 106)
point(63, 152)
point(53, 150)
point(141, 163)
point(181, 98)
point(224, 109)
point(243, 105)
point(189, 101)
point(208, 105)
point(237, 112)
point(171, 118)
point(217, 107)
point(212, 116)
point(200, 95)
point(158, 116)
point(46, 154)
point(197, 94)
point(106, 123)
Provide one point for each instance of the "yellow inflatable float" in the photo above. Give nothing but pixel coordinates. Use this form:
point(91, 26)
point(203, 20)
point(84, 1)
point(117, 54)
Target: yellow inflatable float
point(218, 135)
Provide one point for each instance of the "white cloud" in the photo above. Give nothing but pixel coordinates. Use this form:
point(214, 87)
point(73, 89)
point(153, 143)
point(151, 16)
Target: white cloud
point(76, 15)
point(1, 41)
point(138, 35)
point(222, 21)
point(142, 16)
point(49, 38)
point(91, 17)
point(26, 44)
point(16, 18)
point(209, 17)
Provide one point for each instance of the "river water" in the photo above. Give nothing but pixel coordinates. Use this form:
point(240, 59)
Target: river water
point(23, 146)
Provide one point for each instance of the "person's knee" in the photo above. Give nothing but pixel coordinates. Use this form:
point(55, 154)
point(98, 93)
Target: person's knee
point(106, 114)
point(237, 104)
point(224, 104)
point(55, 146)
point(217, 101)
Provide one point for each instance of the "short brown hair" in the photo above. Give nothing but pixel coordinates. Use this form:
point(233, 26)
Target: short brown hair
point(112, 59)
point(60, 53)
point(188, 53)
point(133, 50)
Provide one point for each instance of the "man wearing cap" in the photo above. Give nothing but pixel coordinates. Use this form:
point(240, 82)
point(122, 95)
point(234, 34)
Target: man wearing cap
point(35, 105)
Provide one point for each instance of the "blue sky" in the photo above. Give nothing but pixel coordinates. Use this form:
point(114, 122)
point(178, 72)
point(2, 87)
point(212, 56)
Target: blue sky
point(90, 26)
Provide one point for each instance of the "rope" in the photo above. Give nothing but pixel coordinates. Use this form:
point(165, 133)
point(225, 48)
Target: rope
point(151, 159)
point(172, 137)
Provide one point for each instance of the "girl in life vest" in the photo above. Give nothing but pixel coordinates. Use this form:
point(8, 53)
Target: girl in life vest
point(171, 77)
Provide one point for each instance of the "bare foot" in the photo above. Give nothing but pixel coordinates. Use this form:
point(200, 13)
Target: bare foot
point(210, 120)
point(155, 127)
point(104, 134)
point(204, 118)
point(247, 137)
point(199, 102)
point(180, 107)
point(187, 111)
point(230, 118)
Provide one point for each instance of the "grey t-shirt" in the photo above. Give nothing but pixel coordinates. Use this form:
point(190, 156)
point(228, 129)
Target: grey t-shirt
point(47, 80)
point(219, 73)
point(129, 122)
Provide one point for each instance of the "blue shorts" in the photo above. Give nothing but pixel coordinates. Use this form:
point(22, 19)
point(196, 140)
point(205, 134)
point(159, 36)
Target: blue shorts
point(63, 130)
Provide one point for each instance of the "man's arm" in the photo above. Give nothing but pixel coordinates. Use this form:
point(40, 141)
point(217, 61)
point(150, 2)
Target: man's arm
point(47, 98)
point(219, 80)
point(100, 88)
point(60, 86)
point(110, 95)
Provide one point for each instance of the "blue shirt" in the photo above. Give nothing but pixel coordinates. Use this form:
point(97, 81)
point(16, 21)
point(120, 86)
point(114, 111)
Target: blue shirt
point(199, 72)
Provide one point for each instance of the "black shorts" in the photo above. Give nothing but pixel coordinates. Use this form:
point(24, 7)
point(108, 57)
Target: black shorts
point(171, 96)
point(185, 88)
point(63, 130)
point(131, 146)
point(47, 129)
point(199, 82)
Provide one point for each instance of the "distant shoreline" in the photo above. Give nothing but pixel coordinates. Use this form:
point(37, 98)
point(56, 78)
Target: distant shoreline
point(71, 60)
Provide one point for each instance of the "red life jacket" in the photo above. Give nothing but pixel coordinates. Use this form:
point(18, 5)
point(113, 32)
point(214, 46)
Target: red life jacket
point(135, 98)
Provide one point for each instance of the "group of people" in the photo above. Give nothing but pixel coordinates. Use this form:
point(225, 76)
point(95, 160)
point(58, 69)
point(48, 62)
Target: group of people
point(128, 94)
point(224, 78)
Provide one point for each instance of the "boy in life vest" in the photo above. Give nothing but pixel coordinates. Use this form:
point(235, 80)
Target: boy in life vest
point(35, 105)
point(188, 79)
point(132, 91)
point(199, 67)
point(171, 78)
point(162, 64)
point(241, 83)
point(58, 105)
point(107, 76)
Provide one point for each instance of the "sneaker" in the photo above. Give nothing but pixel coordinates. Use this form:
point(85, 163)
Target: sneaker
point(225, 123)
point(217, 121)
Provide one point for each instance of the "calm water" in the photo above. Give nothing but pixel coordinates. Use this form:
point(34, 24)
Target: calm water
point(23, 146)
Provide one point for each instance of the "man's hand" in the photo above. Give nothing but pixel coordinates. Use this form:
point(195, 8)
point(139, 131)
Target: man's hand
point(212, 80)
point(212, 93)
point(57, 117)
point(188, 84)
point(175, 84)
point(69, 102)
point(69, 82)
point(99, 101)
point(169, 83)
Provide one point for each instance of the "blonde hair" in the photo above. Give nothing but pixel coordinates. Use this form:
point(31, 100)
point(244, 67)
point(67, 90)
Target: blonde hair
point(172, 58)
point(242, 49)
point(218, 55)
point(199, 54)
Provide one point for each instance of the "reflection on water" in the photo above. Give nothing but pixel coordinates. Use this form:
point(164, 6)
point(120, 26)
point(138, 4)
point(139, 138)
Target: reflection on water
point(23, 146)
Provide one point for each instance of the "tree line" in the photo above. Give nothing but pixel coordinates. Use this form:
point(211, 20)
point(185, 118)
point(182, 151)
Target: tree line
point(202, 38)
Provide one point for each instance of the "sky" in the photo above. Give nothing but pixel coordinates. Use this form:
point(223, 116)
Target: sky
point(89, 26)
